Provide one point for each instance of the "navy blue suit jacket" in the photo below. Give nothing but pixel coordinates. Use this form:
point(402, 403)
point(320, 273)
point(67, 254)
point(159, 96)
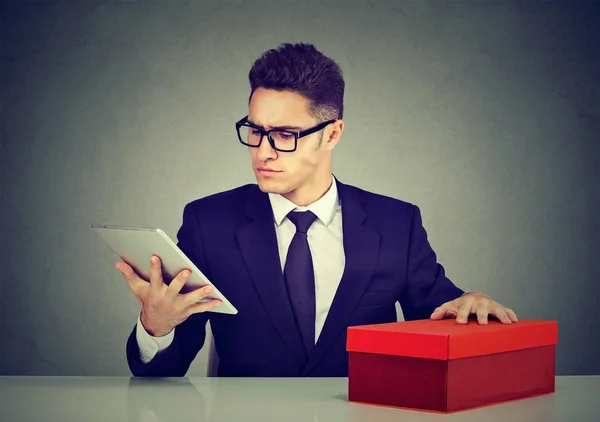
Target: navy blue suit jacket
point(230, 236)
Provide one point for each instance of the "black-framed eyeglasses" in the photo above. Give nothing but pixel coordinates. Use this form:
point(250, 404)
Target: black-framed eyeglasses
point(280, 139)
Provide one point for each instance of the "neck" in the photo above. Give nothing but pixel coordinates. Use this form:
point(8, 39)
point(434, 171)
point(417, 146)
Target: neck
point(310, 192)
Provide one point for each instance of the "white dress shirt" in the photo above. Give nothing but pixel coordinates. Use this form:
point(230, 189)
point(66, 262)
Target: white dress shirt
point(327, 250)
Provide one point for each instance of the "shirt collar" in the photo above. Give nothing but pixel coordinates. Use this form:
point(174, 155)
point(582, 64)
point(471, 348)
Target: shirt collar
point(324, 208)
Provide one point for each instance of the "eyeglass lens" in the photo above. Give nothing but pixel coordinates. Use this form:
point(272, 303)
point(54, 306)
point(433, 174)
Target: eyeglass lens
point(283, 140)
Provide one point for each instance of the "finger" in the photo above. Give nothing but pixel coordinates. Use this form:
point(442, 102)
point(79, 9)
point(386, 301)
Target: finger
point(441, 312)
point(464, 311)
point(178, 282)
point(482, 312)
point(197, 295)
point(129, 274)
point(156, 280)
point(511, 315)
point(501, 314)
point(202, 307)
point(438, 313)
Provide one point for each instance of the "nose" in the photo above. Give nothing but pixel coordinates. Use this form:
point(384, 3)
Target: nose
point(265, 151)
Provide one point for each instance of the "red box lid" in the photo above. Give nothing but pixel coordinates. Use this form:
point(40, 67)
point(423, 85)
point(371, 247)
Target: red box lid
point(446, 339)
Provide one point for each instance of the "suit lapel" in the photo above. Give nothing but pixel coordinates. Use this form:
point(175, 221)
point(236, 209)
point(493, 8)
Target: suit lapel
point(258, 243)
point(361, 249)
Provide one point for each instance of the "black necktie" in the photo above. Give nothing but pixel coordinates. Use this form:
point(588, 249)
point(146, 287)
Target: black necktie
point(300, 279)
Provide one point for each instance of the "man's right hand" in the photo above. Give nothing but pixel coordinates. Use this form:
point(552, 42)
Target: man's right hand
point(162, 306)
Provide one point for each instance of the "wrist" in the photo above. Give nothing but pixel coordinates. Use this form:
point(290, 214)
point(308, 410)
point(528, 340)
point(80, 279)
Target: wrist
point(154, 331)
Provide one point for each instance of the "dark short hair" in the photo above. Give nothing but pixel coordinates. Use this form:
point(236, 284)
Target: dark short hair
point(302, 69)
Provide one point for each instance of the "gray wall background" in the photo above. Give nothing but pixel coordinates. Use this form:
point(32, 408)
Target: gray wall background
point(485, 114)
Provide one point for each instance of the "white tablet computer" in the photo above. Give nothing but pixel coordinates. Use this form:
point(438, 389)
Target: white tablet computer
point(136, 245)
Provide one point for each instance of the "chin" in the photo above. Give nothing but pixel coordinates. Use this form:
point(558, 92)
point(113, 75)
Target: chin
point(267, 186)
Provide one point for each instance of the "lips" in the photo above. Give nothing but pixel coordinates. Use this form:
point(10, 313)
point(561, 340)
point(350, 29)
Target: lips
point(268, 170)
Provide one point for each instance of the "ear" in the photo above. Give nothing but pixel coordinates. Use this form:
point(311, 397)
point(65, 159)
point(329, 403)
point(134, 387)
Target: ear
point(332, 135)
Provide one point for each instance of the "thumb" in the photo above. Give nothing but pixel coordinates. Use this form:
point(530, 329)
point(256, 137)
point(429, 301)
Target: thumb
point(438, 313)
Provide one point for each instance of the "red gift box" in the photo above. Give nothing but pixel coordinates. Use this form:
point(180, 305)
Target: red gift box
point(442, 366)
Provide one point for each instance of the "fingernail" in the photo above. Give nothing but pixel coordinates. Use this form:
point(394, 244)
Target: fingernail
point(154, 259)
point(186, 273)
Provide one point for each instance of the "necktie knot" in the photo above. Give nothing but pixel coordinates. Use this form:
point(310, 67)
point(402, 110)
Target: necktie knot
point(302, 220)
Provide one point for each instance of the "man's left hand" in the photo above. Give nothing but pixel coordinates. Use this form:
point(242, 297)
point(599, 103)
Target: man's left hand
point(474, 303)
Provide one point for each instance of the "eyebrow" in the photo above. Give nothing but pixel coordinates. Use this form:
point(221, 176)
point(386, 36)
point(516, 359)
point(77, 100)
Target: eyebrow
point(291, 128)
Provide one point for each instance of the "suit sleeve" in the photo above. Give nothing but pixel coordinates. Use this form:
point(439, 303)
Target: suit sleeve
point(175, 360)
point(427, 286)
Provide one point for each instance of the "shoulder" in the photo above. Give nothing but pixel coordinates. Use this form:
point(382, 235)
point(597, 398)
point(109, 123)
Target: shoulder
point(379, 204)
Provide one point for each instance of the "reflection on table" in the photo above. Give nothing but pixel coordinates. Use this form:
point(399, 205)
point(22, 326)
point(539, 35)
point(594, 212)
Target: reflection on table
point(257, 399)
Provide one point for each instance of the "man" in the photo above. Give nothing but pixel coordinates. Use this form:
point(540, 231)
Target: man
point(301, 255)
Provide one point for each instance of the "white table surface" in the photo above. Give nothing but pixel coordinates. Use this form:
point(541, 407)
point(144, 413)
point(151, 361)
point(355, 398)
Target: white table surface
point(577, 398)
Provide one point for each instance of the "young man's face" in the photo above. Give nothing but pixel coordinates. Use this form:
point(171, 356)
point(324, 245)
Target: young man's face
point(299, 174)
